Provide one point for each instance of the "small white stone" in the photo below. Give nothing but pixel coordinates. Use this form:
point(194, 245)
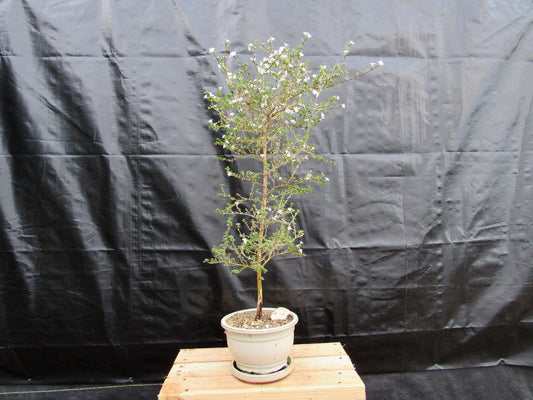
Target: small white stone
point(279, 313)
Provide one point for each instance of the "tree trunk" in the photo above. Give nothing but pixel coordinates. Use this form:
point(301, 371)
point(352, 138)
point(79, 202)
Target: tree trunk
point(259, 309)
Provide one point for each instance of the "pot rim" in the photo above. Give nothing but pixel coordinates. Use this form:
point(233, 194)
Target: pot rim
point(258, 331)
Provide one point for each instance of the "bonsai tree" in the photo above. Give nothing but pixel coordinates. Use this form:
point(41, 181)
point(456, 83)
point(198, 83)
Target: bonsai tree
point(266, 118)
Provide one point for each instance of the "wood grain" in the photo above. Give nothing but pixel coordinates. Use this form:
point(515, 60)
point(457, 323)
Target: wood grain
point(321, 371)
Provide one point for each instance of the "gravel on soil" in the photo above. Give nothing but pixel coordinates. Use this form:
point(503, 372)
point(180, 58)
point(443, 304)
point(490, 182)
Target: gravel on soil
point(247, 320)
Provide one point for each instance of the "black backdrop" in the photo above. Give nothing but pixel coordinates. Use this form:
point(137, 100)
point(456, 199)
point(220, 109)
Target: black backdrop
point(418, 251)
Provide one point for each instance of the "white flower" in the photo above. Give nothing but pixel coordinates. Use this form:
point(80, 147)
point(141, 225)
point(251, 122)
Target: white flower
point(343, 105)
point(272, 38)
point(372, 65)
point(212, 50)
point(307, 35)
point(315, 92)
point(210, 121)
point(232, 54)
point(351, 43)
point(226, 42)
point(346, 52)
point(380, 63)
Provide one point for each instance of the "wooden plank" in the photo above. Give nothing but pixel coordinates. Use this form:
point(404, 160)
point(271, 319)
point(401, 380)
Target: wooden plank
point(321, 371)
point(203, 355)
point(223, 354)
point(221, 368)
point(260, 393)
point(317, 378)
point(304, 385)
point(317, 350)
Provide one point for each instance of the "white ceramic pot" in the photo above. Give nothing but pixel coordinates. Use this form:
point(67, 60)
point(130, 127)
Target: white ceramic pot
point(260, 351)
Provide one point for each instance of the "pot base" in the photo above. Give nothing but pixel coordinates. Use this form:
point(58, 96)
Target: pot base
point(263, 378)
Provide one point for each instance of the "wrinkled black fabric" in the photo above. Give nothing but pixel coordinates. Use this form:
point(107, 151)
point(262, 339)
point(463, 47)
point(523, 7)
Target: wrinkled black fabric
point(418, 250)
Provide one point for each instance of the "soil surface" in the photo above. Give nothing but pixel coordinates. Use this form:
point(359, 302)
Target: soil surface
point(247, 320)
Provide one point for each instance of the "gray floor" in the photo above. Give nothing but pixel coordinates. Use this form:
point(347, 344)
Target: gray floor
point(80, 392)
point(489, 383)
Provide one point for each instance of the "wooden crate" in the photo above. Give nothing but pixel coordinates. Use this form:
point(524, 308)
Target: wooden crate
point(321, 371)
